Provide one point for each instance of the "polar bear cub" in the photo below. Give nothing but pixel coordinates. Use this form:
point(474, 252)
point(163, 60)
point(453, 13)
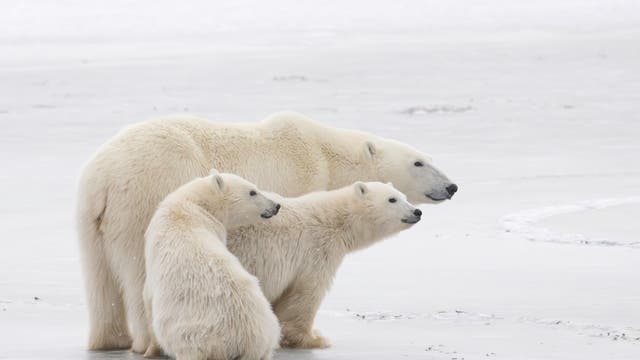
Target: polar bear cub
point(201, 302)
point(296, 255)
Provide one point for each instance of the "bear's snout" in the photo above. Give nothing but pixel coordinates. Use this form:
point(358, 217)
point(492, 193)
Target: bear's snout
point(271, 211)
point(413, 218)
point(451, 189)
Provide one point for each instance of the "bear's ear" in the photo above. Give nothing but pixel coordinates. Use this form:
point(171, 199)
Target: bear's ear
point(360, 188)
point(218, 182)
point(213, 171)
point(369, 149)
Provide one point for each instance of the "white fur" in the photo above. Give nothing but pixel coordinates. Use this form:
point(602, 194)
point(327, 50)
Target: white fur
point(202, 303)
point(129, 176)
point(296, 254)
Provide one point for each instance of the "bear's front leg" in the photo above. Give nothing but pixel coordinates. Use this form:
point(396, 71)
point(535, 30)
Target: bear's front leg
point(295, 339)
point(296, 309)
point(153, 351)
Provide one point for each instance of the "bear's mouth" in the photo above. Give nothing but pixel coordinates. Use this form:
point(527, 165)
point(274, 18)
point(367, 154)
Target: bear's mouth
point(435, 198)
point(270, 213)
point(411, 220)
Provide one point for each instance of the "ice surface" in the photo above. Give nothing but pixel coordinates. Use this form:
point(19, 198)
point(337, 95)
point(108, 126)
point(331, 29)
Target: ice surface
point(608, 223)
point(532, 107)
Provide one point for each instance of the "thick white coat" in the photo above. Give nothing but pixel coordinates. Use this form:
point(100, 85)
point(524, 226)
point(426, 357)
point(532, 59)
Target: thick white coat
point(129, 175)
point(201, 302)
point(296, 254)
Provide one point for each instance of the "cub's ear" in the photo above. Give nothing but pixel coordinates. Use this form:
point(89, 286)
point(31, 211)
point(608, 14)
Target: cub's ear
point(360, 188)
point(218, 182)
point(213, 171)
point(369, 150)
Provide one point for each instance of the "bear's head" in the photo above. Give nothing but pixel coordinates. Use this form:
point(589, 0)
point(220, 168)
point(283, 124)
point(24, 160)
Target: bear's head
point(409, 170)
point(245, 203)
point(383, 210)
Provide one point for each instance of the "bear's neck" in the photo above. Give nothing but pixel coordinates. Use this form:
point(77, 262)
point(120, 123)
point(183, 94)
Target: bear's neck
point(338, 216)
point(360, 233)
point(210, 204)
point(192, 214)
point(344, 153)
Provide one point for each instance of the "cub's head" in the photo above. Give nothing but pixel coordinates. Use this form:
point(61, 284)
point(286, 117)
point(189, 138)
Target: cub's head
point(384, 209)
point(409, 170)
point(245, 203)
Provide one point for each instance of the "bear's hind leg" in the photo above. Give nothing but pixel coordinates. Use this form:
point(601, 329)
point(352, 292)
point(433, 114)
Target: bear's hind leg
point(108, 328)
point(130, 267)
point(153, 350)
point(133, 285)
point(108, 324)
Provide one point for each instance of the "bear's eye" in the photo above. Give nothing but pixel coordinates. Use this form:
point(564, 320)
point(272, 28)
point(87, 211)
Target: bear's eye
point(418, 163)
point(392, 200)
point(253, 193)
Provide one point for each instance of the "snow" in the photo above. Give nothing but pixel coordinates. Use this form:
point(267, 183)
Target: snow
point(530, 106)
point(523, 223)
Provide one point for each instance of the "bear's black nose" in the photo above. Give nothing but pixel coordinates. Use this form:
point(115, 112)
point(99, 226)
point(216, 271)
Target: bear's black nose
point(417, 212)
point(277, 206)
point(451, 189)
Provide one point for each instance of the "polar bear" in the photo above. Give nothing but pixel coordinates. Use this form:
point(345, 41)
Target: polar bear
point(287, 153)
point(201, 302)
point(296, 254)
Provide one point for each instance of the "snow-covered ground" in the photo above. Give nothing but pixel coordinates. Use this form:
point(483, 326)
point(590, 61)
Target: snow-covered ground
point(531, 107)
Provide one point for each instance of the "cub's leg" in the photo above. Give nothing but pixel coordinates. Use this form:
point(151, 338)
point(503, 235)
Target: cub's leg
point(153, 351)
point(189, 356)
point(296, 309)
point(199, 354)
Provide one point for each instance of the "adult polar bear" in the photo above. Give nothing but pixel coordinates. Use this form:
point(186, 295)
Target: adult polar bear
point(287, 153)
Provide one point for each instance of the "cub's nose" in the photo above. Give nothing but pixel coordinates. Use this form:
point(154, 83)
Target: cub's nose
point(417, 212)
point(277, 209)
point(451, 189)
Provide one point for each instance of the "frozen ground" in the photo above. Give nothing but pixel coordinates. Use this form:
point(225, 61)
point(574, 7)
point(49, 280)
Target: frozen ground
point(532, 107)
